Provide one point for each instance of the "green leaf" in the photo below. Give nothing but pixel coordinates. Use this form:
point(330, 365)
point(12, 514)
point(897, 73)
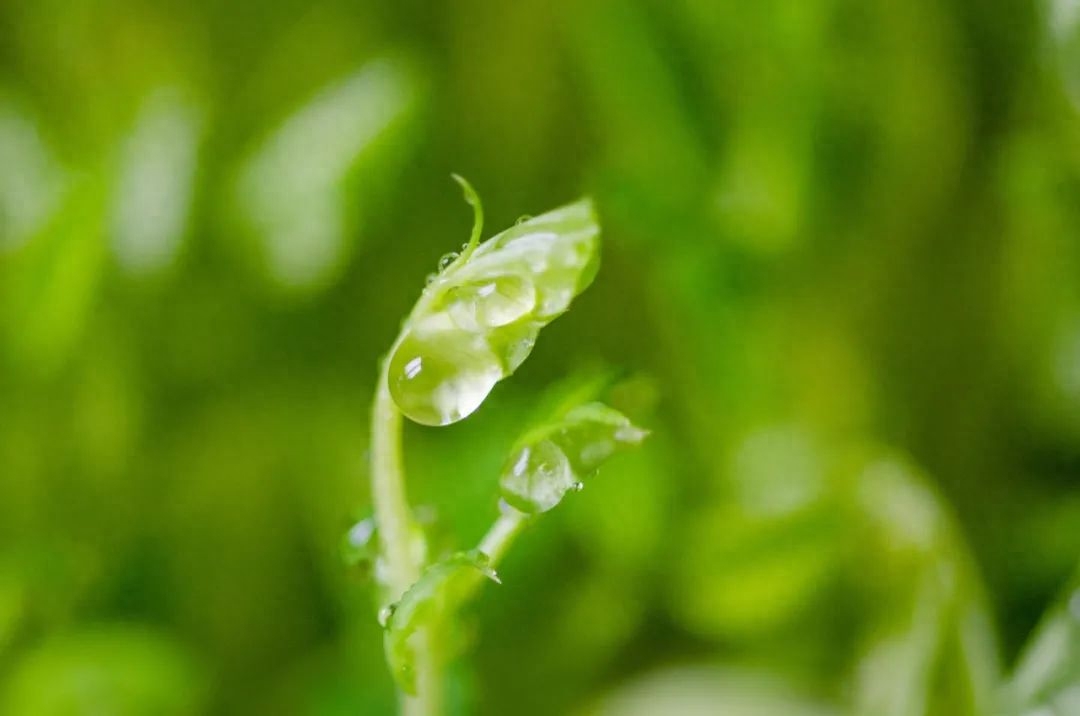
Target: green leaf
point(304, 192)
point(554, 459)
point(931, 647)
point(478, 320)
point(440, 589)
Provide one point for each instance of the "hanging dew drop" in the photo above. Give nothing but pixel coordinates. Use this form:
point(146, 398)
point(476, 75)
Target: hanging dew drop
point(492, 303)
point(385, 615)
point(440, 377)
point(538, 478)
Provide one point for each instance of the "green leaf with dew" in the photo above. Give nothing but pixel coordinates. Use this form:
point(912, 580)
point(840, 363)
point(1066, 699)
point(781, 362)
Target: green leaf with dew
point(477, 320)
point(553, 459)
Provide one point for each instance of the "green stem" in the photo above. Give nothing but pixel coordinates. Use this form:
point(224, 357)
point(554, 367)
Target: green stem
point(494, 544)
point(502, 534)
point(401, 542)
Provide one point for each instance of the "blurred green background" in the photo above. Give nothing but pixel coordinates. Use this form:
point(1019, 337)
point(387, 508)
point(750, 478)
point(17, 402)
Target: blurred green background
point(841, 261)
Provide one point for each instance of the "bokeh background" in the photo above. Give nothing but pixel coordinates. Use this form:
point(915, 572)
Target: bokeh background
point(841, 273)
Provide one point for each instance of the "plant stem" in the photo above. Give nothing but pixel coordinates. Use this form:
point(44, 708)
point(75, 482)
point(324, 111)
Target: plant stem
point(401, 543)
point(501, 535)
point(494, 544)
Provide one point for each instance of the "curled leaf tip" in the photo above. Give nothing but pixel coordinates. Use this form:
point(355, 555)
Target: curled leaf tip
point(473, 200)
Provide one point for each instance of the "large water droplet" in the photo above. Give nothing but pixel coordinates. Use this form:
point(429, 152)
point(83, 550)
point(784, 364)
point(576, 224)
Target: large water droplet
point(539, 476)
point(440, 377)
point(490, 303)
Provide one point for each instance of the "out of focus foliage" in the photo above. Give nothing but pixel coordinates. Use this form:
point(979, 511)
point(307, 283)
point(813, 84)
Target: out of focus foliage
point(841, 261)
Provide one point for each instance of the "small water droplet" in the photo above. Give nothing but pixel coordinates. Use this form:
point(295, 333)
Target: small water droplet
point(447, 259)
point(361, 533)
point(430, 279)
point(523, 218)
point(385, 615)
point(442, 376)
point(358, 547)
point(578, 486)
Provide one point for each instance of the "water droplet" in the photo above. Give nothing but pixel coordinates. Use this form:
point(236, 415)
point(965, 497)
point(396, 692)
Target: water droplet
point(360, 534)
point(439, 377)
point(491, 303)
point(447, 259)
point(578, 486)
point(538, 478)
point(430, 278)
point(523, 218)
point(358, 547)
point(385, 614)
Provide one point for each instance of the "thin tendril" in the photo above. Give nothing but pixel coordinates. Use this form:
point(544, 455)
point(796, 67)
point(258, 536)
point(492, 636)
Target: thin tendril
point(473, 200)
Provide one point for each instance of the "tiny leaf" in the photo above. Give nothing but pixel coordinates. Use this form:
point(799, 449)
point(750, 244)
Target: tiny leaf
point(554, 459)
point(440, 588)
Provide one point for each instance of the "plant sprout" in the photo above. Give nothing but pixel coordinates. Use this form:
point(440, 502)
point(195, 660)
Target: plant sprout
point(475, 323)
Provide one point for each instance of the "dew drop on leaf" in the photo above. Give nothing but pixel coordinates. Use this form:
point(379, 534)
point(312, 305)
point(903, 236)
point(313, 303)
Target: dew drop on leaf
point(490, 303)
point(438, 377)
point(447, 259)
point(384, 615)
point(555, 458)
point(539, 476)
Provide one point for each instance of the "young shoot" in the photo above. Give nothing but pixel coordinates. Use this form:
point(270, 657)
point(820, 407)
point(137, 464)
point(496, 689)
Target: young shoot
point(475, 323)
